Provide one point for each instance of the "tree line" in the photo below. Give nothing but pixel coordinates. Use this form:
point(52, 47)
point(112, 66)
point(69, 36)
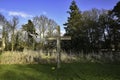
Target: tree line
point(31, 35)
point(91, 31)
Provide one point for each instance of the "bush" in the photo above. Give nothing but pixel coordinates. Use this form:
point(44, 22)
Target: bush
point(34, 57)
point(31, 57)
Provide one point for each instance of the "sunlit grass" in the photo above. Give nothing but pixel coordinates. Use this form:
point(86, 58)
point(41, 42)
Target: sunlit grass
point(71, 71)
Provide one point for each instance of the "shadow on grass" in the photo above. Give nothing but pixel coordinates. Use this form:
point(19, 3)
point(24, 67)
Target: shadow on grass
point(73, 71)
point(45, 72)
point(11, 75)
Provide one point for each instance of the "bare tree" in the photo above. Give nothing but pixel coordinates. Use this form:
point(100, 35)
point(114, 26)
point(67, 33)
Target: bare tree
point(44, 26)
point(13, 24)
point(3, 31)
point(41, 23)
point(51, 27)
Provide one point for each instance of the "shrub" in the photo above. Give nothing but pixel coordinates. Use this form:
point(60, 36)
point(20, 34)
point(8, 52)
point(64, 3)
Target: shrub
point(33, 57)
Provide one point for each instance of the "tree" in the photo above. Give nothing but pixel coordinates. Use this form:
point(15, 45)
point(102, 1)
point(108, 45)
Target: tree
point(51, 27)
point(92, 29)
point(41, 24)
point(116, 11)
point(13, 24)
point(2, 31)
point(45, 28)
point(74, 19)
point(114, 15)
point(31, 34)
point(19, 41)
point(73, 26)
point(89, 28)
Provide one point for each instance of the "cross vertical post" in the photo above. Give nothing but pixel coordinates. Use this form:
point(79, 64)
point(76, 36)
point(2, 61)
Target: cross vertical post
point(58, 48)
point(58, 38)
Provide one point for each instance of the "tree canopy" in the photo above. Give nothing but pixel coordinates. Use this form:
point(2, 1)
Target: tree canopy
point(93, 30)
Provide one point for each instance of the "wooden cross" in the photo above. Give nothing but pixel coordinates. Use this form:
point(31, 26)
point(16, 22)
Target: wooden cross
point(59, 38)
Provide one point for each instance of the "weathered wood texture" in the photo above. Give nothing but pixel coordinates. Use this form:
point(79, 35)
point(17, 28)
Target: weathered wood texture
point(59, 38)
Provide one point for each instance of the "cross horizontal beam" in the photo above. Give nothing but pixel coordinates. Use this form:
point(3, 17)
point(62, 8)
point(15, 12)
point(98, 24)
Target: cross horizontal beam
point(61, 38)
point(66, 38)
point(52, 38)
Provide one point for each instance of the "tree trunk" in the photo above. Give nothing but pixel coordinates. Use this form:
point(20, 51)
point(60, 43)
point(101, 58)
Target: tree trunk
point(3, 44)
point(12, 42)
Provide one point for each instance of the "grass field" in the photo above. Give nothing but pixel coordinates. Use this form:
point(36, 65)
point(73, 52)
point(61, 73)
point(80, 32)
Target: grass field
point(71, 71)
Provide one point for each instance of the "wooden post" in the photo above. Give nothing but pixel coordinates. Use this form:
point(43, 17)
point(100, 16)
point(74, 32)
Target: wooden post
point(58, 48)
point(59, 38)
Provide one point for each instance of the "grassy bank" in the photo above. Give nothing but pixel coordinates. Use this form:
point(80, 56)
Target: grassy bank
point(72, 71)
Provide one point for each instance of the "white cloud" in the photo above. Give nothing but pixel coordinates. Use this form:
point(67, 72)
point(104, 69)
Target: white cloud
point(16, 13)
point(21, 14)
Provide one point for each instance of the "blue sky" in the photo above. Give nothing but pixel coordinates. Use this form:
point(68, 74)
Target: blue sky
point(54, 9)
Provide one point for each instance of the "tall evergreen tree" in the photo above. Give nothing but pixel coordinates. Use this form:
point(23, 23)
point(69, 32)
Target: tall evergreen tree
point(30, 29)
point(115, 27)
point(73, 26)
point(74, 19)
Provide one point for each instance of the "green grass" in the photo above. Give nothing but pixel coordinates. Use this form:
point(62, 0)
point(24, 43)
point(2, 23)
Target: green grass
point(71, 71)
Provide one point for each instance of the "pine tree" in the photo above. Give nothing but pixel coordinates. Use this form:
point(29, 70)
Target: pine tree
point(30, 29)
point(115, 26)
point(73, 22)
point(73, 27)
